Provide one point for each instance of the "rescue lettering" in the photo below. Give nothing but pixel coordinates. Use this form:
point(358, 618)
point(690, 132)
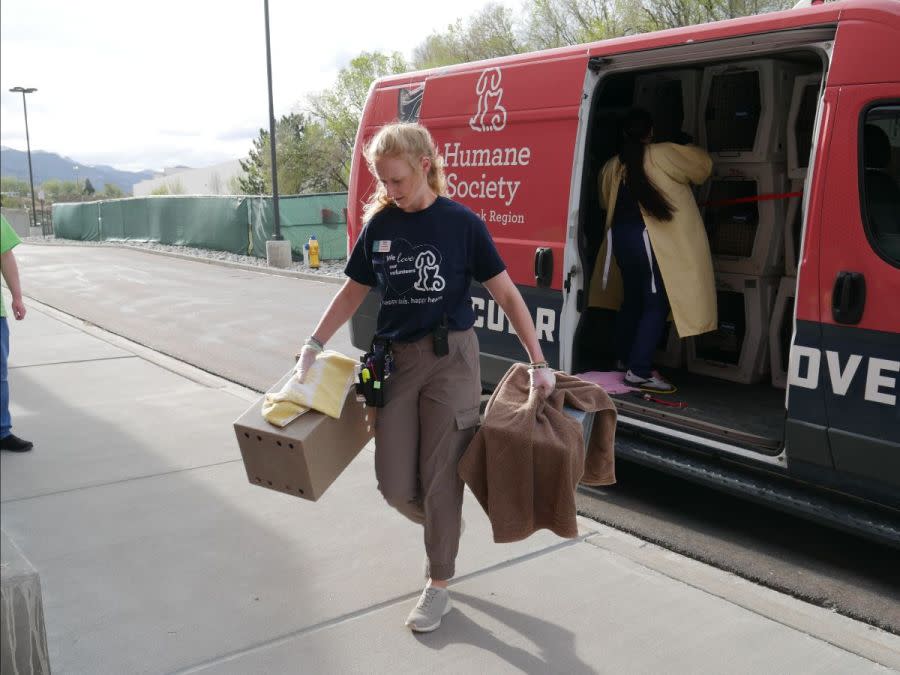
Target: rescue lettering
point(489, 315)
point(806, 364)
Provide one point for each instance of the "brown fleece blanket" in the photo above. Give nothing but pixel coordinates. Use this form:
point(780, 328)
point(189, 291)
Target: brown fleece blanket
point(528, 457)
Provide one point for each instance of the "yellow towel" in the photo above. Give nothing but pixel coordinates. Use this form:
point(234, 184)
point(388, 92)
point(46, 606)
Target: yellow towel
point(324, 389)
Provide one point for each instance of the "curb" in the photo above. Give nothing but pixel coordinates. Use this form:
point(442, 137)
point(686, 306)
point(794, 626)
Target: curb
point(211, 261)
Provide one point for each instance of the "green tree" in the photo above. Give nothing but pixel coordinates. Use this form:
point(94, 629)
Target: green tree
point(676, 13)
point(257, 167)
point(339, 109)
point(112, 191)
point(61, 190)
point(309, 159)
point(488, 33)
point(314, 147)
point(557, 23)
point(15, 192)
point(234, 185)
point(170, 187)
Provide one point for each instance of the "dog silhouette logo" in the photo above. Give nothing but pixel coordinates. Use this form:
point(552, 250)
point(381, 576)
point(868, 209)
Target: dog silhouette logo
point(490, 115)
point(429, 273)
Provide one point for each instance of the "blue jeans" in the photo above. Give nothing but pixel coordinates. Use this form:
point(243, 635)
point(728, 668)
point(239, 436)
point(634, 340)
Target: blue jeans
point(5, 420)
point(642, 318)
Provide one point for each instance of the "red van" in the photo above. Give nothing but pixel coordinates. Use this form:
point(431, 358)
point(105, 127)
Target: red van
point(793, 399)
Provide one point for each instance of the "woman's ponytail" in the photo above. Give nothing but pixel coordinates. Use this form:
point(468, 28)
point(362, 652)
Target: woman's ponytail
point(636, 129)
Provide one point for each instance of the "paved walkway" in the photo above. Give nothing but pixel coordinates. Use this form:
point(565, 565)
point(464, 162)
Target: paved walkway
point(156, 555)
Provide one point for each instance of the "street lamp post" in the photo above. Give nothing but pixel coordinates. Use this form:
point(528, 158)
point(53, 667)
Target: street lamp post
point(23, 91)
point(278, 250)
point(277, 235)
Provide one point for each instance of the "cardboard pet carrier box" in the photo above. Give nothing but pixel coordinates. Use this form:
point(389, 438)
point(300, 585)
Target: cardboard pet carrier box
point(304, 457)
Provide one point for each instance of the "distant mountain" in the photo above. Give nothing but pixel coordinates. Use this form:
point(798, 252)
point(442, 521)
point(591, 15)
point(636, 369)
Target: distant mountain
point(47, 165)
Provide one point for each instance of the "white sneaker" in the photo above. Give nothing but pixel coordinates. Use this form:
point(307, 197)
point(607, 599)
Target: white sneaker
point(433, 604)
point(652, 384)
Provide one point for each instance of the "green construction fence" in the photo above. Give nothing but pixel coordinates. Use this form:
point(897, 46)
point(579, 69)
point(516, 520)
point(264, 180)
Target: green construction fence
point(235, 224)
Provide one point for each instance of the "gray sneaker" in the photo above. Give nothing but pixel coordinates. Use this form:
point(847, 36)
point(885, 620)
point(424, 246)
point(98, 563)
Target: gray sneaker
point(433, 604)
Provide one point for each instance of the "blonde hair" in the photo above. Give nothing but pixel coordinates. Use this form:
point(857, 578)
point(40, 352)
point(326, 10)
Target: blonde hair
point(412, 142)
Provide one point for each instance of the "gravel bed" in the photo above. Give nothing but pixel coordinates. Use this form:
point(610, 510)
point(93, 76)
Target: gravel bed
point(329, 268)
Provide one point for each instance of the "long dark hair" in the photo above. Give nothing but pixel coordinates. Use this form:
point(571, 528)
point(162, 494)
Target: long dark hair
point(636, 127)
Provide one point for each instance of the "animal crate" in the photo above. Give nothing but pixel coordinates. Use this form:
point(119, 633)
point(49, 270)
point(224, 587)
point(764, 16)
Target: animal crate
point(745, 107)
point(801, 123)
point(781, 329)
point(738, 349)
point(793, 230)
point(746, 233)
point(672, 98)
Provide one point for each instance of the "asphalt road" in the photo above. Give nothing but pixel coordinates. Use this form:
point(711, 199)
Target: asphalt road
point(245, 326)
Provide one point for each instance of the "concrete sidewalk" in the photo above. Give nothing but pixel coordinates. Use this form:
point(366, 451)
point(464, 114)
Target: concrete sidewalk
point(156, 555)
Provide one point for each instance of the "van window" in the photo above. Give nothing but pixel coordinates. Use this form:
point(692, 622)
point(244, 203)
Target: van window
point(409, 103)
point(880, 179)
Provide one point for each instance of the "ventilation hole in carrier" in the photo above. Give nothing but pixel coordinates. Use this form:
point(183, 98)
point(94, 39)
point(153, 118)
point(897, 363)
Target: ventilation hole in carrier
point(300, 490)
point(246, 435)
point(291, 446)
point(279, 443)
point(258, 479)
point(259, 438)
point(269, 482)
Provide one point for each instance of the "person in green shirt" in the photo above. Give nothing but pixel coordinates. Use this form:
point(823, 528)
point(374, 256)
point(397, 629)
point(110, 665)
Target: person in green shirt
point(10, 271)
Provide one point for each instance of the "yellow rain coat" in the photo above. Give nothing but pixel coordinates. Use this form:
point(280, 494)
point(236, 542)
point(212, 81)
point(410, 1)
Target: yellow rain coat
point(680, 245)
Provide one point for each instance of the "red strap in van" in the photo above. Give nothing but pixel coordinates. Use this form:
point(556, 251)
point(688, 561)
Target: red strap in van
point(757, 198)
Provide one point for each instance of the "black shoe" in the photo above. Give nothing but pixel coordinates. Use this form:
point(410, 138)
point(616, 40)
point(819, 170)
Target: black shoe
point(15, 444)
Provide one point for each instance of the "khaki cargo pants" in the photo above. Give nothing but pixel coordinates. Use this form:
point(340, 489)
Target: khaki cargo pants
point(420, 434)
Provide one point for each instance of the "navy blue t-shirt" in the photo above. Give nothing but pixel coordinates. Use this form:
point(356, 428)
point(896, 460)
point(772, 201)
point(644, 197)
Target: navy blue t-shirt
point(423, 263)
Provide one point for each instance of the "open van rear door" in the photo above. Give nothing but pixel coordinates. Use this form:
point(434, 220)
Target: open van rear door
point(507, 133)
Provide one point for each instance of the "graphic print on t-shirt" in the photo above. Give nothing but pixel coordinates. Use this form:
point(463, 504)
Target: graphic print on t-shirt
point(406, 267)
point(429, 273)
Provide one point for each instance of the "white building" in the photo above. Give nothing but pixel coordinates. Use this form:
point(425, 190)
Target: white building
point(211, 180)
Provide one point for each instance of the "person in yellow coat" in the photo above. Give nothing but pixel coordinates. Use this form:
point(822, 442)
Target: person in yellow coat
point(655, 256)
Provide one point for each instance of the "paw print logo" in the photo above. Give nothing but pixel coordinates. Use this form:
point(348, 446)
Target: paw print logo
point(490, 114)
point(429, 277)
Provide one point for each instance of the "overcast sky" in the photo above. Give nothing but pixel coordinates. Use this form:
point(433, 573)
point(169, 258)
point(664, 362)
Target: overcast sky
point(154, 84)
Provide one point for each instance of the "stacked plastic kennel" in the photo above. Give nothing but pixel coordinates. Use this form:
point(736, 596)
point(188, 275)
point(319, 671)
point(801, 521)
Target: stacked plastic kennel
point(745, 109)
point(800, 125)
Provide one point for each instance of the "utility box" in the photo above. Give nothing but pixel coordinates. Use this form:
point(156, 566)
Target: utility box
point(304, 458)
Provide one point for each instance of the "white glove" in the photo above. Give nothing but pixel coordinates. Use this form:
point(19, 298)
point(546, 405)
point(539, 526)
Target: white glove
point(543, 380)
point(305, 360)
